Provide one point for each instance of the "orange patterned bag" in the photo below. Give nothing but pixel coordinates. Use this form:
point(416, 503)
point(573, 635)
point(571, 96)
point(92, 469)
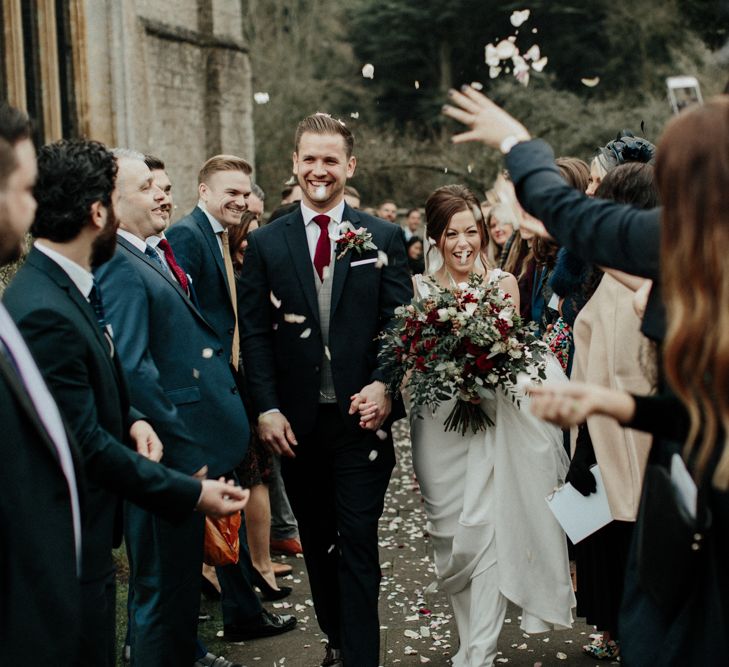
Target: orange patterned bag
point(222, 544)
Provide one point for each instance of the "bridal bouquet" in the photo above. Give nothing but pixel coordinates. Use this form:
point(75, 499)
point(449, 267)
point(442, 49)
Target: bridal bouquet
point(462, 343)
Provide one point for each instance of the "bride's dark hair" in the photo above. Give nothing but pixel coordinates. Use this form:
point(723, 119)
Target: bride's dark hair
point(444, 203)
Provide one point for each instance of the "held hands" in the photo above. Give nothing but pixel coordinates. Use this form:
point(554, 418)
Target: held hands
point(275, 432)
point(145, 440)
point(373, 404)
point(488, 123)
point(221, 498)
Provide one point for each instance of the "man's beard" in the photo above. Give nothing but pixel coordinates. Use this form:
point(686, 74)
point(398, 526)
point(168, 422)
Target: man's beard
point(104, 245)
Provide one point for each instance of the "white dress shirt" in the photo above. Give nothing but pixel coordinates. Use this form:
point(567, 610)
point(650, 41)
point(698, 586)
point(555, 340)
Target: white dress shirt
point(218, 229)
point(313, 230)
point(138, 243)
point(49, 415)
point(153, 242)
point(80, 277)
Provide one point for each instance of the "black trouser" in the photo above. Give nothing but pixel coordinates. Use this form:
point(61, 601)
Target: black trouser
point(98, 638)
point(239, 601)
point(337, 489)
point(165, 562)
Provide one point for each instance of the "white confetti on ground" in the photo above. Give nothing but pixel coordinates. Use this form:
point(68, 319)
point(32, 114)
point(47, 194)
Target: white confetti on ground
point(368, 71)
point(417, 85)
point(561, 656)
point(590, 83)
point(261, 98)
point(355, 114)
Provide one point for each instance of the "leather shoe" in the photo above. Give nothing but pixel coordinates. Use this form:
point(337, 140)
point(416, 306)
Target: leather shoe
point(289, 547)
point(266, 625)
point(332, 658)
point(211, 660)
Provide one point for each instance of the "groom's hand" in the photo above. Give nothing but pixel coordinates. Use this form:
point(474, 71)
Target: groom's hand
point(373, 404)
point(275, 431)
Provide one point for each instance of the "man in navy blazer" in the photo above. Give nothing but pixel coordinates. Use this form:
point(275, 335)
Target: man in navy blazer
point(179, 376)
point(200, 243)
point(310, 311)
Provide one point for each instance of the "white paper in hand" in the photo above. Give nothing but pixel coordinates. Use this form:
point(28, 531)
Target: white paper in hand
point(580, 515)
point(684, 484)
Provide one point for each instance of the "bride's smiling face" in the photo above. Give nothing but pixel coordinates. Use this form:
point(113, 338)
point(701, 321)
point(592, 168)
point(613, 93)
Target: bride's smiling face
point(461, 242)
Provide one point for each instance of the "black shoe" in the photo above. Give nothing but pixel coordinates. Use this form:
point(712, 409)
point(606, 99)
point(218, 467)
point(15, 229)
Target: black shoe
point(332, 658)
point(211, 660)
point(268, 593)
point(266, 625)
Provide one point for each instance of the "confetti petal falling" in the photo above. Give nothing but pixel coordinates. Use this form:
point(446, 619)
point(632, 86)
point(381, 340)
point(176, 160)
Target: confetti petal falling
point(261, 98)
point(368, 71)
point(517, 18)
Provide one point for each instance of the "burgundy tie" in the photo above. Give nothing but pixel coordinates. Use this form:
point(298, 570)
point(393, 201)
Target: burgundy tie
point(174, 266)
point(323, 251)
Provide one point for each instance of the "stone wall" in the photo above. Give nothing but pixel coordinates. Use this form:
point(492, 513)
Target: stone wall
point(171, 78)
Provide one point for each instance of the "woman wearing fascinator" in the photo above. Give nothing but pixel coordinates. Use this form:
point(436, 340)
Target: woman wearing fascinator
point(626, 147)
point(494, 538)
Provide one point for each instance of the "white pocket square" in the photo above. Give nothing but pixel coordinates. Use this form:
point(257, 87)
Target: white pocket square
point(359, 262)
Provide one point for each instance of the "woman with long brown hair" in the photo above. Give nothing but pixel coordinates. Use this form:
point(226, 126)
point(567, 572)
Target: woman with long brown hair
point(478, 487)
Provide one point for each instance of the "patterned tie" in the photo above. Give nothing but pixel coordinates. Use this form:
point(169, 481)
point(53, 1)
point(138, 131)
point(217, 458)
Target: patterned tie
point(98, 305)
point(174, 266)
point(154, 256)
point(228, 262)
point(323, 252)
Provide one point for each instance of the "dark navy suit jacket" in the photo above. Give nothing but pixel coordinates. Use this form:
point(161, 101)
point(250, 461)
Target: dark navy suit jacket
point(602, 232)
point(282, 368)
point(196, 249)
point(178, 371)
point(40, 596)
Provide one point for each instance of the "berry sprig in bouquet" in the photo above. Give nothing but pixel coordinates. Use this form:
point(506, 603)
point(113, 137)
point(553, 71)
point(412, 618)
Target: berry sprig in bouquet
point(465, 343)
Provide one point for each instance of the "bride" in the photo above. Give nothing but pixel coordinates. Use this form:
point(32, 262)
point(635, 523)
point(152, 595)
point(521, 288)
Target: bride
point(494, 537)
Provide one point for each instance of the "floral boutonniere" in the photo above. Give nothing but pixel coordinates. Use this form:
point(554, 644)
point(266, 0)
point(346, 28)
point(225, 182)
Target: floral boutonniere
point(347, 238)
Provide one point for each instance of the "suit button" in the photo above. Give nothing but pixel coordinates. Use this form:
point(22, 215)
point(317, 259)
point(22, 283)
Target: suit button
point(234, 390)
point(231, 331)
point(316, 369)
point(220, 352)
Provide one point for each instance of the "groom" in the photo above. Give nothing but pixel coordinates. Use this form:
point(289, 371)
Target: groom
point(310, 310)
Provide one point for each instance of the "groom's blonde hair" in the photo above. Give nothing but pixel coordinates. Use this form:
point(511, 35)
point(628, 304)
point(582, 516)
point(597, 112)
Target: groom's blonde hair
point(323, 123)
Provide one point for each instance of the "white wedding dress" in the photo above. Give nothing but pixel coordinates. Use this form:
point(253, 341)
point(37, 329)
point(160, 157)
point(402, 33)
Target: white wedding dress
point(493, 535)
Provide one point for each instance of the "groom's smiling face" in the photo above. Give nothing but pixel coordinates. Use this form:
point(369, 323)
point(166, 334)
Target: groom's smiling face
point(322, 167)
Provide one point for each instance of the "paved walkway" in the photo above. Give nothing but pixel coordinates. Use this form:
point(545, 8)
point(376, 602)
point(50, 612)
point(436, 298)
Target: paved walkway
point(417, 626)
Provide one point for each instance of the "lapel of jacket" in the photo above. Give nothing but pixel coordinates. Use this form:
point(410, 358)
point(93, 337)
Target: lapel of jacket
point(341, 266)
point(21, 393)
point(43, 263)
point(299, 250)
point(165, 274)
point(140, 256)
point(212, 240)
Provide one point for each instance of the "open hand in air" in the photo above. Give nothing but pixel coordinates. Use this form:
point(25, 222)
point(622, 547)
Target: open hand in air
point(486, 121)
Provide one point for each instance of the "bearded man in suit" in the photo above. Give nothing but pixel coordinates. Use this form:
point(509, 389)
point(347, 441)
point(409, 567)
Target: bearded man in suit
point(310, 310)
